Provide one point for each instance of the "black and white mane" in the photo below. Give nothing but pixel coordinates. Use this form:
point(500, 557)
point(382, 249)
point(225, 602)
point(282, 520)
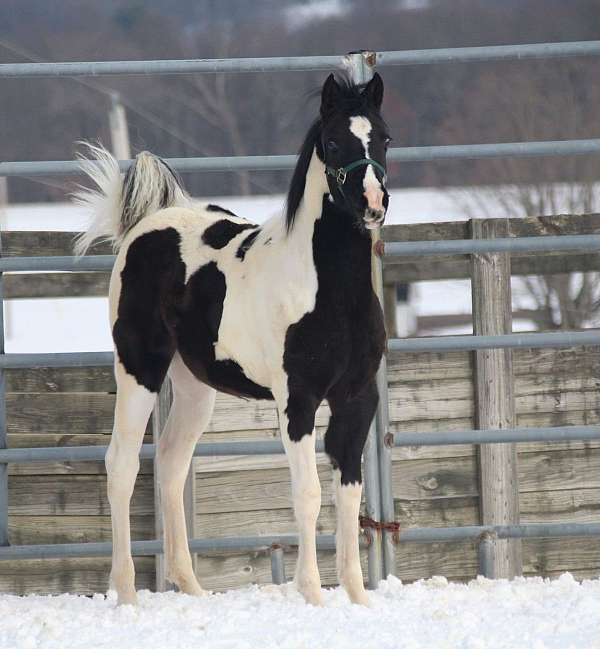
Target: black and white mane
point(283, 311)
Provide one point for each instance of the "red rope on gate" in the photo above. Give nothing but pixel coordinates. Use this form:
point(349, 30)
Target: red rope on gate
point(366, 522)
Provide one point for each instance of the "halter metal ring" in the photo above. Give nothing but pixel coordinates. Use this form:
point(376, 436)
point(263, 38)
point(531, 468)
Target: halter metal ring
point(340, 176)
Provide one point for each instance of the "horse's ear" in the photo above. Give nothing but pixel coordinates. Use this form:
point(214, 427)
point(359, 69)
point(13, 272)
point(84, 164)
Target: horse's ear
point(329, 95)
point(374, 91)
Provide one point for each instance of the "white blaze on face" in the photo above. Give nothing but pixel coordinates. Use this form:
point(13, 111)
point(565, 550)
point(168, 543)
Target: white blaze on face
point(361, 128)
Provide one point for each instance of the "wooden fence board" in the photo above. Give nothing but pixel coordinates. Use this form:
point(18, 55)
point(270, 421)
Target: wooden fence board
point(83, 576)
point(24, 530)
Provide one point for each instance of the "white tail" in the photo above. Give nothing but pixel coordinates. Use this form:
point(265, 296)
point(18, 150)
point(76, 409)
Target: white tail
point(117, 203)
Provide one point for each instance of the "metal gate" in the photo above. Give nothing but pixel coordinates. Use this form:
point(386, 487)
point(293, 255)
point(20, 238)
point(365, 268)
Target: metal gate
point(384, 535)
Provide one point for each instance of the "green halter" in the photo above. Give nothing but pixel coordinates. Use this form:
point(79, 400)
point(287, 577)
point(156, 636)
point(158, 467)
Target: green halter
point(341, 173)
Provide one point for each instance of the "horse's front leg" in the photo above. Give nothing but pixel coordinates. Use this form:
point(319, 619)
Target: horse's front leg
point(344, 442)
point(296, 420)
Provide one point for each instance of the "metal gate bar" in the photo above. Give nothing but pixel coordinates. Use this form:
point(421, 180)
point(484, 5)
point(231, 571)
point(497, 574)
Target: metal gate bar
point(299, 63)
point(280, 162)
point(324, 541)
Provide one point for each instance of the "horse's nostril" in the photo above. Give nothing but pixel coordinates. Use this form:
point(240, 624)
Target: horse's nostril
point(375, 215)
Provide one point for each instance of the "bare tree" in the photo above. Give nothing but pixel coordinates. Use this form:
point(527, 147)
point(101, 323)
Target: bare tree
point(541, 102)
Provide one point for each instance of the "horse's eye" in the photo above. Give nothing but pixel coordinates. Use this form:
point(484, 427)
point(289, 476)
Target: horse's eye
point(332, 146)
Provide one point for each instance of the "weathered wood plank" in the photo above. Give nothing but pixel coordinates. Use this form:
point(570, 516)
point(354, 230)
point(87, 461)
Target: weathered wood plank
point(401, 367)
point(92, 413)
point(518, 227)
point(52, 285)
point(72, 495)
point(70, 379)
point(24, 530)
point(458, 266)
point(54, 576)
point(38, 243)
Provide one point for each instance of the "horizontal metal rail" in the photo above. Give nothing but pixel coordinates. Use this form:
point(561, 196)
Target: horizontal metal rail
point(394, 250)
point(57, 263)
point(147, 451)
point(146, 548)
point(300, 63)
point(398, 249)
point(275, 447)
point(68, 359)
point(473, 532)
point(280, 162)
point(495, 436)
point(325, 542)
point(539, 340)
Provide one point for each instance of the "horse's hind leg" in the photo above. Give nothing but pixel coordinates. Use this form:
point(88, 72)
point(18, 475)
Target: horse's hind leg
point(189, 416)
point(133, 407)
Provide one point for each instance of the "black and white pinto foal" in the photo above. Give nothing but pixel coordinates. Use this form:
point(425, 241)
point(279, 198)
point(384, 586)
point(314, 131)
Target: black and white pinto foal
point(284, 311)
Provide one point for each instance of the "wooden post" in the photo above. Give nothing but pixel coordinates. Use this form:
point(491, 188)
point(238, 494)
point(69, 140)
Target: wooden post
point(494, 396)
point(389, 310)
point(119, 133)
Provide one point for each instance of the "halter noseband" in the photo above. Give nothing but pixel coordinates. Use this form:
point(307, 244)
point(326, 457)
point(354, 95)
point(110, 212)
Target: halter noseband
point(341, 173)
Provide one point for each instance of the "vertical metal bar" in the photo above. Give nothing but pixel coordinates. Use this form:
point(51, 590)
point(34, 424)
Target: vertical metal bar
point(3, 434)
point(373, 507)
point(159, 419)
point(485, 552)
point(360, 66)
point(277, 565)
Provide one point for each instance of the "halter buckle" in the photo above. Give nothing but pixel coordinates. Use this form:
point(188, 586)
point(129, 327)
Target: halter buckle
point(340, 176)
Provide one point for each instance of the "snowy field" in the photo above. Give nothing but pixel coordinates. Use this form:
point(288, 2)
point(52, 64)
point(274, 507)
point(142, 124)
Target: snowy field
point(433, 614)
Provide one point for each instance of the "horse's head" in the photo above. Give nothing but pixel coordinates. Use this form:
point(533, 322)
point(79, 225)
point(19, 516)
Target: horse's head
point(353, 146)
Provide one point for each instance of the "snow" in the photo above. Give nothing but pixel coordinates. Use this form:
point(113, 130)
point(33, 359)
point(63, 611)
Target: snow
point(527, 613)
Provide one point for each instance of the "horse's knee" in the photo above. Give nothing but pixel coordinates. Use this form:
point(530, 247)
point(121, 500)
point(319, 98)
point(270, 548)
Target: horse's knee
point(307, 501)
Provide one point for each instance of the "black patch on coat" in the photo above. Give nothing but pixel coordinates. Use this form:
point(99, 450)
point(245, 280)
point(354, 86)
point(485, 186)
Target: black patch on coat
point(246, 244)
point(217, 208)
point(334, 351)
point(219, 234)
point(158, 313)
point(143, 333)
point(200, 313)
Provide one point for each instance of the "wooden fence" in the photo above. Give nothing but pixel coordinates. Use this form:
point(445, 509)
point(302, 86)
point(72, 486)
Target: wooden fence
point(433, 486)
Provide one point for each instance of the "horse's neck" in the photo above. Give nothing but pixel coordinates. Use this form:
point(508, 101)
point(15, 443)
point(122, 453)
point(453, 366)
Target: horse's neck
point(311, 205)
point(324, 233)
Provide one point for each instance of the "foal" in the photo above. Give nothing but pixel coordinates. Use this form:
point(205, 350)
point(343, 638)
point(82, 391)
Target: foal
point(283, 311)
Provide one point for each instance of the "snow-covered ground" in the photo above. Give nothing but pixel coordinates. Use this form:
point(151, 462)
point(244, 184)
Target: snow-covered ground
point(434, 614)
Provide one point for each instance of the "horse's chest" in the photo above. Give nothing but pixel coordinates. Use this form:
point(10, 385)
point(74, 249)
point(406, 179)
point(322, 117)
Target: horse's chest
point(258, 310)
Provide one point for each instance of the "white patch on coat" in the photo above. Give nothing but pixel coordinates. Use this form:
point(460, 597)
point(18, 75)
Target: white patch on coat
point(361, 127)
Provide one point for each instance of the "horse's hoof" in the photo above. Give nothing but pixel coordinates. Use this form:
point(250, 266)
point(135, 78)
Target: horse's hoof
point(361, 598)
point(127, 597)
point(312, 594)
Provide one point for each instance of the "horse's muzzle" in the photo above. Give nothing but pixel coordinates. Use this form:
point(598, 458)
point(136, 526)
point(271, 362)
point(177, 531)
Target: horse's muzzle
point(373, 218)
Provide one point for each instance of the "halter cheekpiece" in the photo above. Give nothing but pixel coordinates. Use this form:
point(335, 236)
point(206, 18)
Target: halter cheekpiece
point(341, 173)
